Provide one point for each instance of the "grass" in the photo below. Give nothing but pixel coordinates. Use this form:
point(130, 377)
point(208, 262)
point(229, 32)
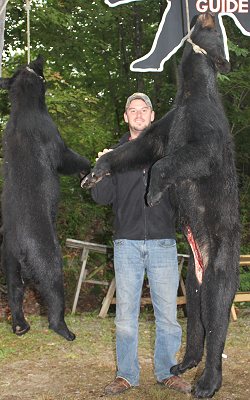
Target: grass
point(43, 366)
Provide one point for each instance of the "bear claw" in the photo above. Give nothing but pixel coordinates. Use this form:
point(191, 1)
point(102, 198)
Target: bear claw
point(153, 200)
point(19, 331)
point(64, 332)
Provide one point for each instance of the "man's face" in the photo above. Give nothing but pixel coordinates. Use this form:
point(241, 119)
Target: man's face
point(138, 116)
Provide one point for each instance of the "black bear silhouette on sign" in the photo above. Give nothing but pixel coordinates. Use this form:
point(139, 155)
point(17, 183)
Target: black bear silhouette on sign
point(173, 30)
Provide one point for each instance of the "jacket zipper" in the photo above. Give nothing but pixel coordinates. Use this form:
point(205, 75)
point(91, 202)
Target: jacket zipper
point(144, 204)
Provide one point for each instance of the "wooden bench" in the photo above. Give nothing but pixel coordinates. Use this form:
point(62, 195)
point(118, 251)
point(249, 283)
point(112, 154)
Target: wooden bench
point(241, 297)
point(110, 299)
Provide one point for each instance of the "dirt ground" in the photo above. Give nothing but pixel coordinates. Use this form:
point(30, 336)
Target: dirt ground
point(43, 366)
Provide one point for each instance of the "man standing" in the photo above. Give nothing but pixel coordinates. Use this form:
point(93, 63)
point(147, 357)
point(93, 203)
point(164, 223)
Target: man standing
point(144, 241)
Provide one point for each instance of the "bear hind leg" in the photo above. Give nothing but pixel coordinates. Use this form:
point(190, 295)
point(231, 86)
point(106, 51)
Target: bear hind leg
point(219, 293)
point(194, 347)
point(52, 290)
point(195, 328)
point(15, 287)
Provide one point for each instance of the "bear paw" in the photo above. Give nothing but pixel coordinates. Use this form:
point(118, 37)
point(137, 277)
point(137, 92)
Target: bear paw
point(62, 330)
point(153, 199)
point(207, 385)
point(21, 328)
point(91, 179)
point(70, 337)
point(182, 367)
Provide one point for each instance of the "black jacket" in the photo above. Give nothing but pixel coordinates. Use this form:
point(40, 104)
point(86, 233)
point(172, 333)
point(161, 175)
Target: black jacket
point(134, 220)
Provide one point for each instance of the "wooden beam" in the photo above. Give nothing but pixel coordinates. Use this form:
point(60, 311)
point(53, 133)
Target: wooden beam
point(147, 300)
point(241, 297)
point(78, 244)
point(245, 260)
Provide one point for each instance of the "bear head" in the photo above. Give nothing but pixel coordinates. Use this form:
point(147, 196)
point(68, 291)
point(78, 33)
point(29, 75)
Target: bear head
point(205, 36)
point(28, 80)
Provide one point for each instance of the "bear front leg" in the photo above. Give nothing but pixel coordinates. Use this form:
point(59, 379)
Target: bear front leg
point(134, 154)
point(191, 161)
point(72, 163)
point(15, 288)
point(158, 182)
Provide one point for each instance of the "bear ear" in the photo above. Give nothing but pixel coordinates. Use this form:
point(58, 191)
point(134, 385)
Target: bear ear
point(193, 22)
point(206, 20)
point(40, 60)
point(5, 83)
point(222, 65)
point(37, 65)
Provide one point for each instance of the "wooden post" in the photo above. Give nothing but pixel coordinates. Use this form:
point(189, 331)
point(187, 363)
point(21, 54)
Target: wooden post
point(107, 300)
point(233, 313)
point(85, 254)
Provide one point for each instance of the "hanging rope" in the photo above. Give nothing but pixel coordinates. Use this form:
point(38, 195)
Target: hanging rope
point(196, 48)
point(188, 18)
point(27, 8)
point(3, 7)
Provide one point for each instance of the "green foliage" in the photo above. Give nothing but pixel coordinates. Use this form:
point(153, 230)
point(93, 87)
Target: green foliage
point(244, 279)
point(76, 114)
point(182, 245)
point(245, 213)
point(236, 49)
point(78, 217)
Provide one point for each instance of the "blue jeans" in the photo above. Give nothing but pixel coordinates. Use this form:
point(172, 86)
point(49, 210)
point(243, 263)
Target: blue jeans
point(158, 258)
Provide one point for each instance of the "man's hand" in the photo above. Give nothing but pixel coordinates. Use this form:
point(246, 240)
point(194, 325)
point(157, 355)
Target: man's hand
point(102, 152)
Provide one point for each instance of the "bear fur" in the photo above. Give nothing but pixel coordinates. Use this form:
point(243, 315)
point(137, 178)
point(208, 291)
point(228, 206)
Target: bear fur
point(34, 155)
point(191, 153)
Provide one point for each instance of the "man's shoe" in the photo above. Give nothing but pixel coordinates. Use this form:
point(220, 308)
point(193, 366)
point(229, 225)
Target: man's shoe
point(176, 383)
point(119, 385)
